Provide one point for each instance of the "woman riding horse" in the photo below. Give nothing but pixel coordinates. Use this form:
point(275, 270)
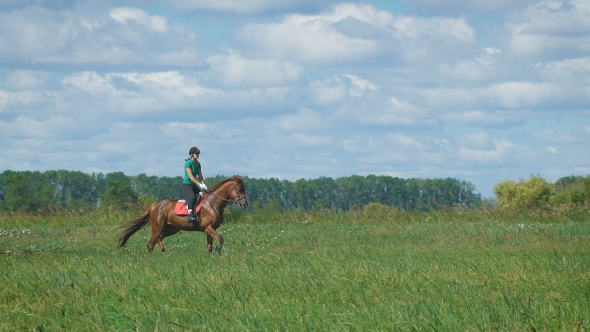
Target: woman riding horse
point(165, 222)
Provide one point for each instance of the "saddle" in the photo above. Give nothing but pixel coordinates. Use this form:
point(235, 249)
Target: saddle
point(181, 209)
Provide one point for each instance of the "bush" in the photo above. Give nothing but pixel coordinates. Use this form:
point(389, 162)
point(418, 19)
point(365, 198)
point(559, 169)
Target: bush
point(573, 190)
point(376, 212)
point(530, 194)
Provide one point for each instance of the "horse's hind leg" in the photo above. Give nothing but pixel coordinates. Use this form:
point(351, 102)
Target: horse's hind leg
point(167, 231)
point(157, 229)
point(161, 244)
point(156, 238)
point(209, 243)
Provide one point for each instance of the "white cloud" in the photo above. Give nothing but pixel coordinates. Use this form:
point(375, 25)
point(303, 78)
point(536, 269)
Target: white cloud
point(302, 121)
point(406, 141)
point(235, 71)
point(308, 39)
point(328, 91)
point(125, 14)
point(47, 37)
point(350, 33)
point(26, 127)
point(136, 93)
point(398, 114)
point(477, 69)
point(25, 79)
point(359, 86)
point(485, 7)
point(475, 140)
point(10, 101)
point(236, 6)
point(549, 29)
point(481, 118)
point(552, 135)
point(496, 155)
point(524, 94)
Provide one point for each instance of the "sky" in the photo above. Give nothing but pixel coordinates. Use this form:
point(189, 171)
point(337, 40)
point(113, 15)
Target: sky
point(482, 90)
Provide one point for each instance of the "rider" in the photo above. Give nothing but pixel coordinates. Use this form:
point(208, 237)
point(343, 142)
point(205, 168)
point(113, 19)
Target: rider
point(190, 185)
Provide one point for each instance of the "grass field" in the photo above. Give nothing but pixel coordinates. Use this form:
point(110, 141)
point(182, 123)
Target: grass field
point(373, 271)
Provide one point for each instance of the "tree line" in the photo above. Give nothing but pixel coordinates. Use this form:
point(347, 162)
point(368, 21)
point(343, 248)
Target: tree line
point(59, 190)
point(536, 193)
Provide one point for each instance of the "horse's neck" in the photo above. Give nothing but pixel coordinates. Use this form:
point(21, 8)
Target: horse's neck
point(223, 192)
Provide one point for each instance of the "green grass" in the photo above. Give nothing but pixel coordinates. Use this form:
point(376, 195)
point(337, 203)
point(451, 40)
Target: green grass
point(379, 270)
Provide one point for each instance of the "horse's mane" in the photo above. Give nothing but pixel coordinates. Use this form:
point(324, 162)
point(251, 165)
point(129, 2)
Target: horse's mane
point(234, 178)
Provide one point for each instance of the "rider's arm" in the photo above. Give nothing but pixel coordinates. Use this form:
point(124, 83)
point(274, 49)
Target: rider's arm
point(191, 176)
point(201, 177)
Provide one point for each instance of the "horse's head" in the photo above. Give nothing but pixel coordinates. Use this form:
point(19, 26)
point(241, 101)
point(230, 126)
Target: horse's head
point(231, 189)
point(238, 195)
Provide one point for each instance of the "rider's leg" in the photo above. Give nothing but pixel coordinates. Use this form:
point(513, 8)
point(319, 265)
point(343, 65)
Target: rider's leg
point(189, 196)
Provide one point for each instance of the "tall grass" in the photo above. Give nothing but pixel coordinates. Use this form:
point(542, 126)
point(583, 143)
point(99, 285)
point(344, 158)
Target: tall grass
point(381, 269)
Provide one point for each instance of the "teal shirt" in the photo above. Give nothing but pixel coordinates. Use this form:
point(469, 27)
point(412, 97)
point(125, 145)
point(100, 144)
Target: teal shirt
point(196, 167)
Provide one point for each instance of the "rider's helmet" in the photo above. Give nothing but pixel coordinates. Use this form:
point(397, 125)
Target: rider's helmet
point(194, 149)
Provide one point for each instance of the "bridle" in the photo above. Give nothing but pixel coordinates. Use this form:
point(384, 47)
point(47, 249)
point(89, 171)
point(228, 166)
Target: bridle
point(237, 200)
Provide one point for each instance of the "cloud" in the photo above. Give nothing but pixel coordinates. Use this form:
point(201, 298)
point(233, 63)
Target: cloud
point(481, 68)
point(19, 100)
point(235, 71)
point(302, 121)
point(478, 140)
point(359, 86)
point(124, 15)
point(25, 79)
point(550, 29)
point(53, 127)
point(524, 94)
point(487, 7)
point(328, 91)
point(507, 95)
point(121, 36)
point(237, 6)
point(352, 33)
point(496, 155)
point(399, 113)
point(135, 93)
point(497, 119)
point(309, 39)
point(552, 135)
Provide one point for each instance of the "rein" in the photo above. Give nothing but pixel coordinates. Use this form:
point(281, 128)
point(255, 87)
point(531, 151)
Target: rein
point(238, 198)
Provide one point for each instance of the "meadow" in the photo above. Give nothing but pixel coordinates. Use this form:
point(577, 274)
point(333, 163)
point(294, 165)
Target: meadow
point(376, 270)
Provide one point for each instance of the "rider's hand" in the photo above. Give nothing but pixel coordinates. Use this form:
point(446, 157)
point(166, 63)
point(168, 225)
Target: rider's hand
point(203, 186)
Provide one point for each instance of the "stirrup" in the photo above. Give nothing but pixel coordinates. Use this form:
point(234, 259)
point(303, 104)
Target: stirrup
point(193, 218)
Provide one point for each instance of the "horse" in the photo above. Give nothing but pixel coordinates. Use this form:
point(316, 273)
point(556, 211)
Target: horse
point(165, 222)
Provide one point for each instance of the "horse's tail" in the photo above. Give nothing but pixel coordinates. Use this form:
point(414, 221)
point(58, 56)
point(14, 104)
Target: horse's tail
point(133, 226)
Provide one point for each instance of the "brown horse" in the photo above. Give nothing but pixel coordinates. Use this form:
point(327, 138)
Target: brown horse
point(165, 222)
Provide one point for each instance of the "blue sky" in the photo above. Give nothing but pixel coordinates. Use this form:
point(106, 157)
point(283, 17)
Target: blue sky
point(484, 91)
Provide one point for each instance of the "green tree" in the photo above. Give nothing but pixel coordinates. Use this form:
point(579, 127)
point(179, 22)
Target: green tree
point(17, 196)
point(571, 190)
point(119, 192)
point(73, 189)
point(27, 192)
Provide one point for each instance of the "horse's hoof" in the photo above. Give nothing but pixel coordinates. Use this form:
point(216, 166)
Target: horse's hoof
point(218, 249)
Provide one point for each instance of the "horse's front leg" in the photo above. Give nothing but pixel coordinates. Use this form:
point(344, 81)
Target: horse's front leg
point(211, 232)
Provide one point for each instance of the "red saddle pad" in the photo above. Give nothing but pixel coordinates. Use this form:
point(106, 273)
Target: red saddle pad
point(180, 207)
